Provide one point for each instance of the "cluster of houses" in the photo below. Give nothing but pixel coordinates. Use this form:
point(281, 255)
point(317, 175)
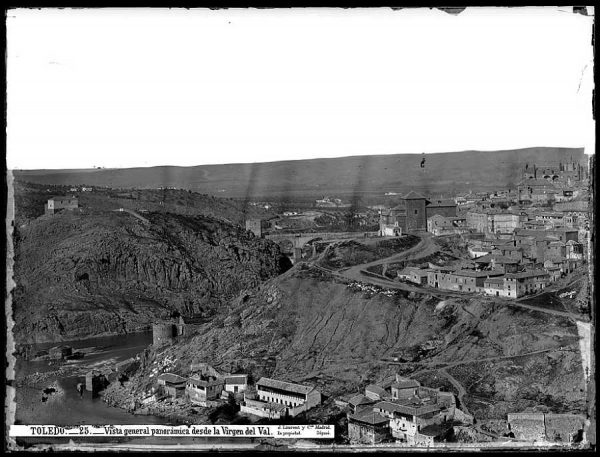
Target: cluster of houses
point(517, 244)
point(400, 409)
point(524, 264)
point(268, 398)
point(328, 202)
point(543, 199)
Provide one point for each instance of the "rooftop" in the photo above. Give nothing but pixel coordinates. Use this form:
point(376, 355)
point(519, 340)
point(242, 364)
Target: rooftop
point(376, 390)
point(494, 281)
point(505, 260)
point(237, 379)
point(171, 378)
point(369, 416)
point(413, 270)
point(509, 247)
point(405, 384)
point(412, 406)
point(284, 385)
point(441, 203)
point(197, 380)
point(526, 416)
point(360, 399)
point(483, 259)
point(63, 197)
point(526, 274)
point(476, 274)
point(412, 195)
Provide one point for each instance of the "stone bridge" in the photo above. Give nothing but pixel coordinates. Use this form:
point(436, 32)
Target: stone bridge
point(299, 240)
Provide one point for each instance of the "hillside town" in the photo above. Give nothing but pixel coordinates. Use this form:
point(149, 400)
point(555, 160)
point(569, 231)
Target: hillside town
point(397, 409)
point(519, 240)
point(513, 243)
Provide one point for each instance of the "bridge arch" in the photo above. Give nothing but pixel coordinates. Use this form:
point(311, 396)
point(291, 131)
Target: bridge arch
point(299, 240)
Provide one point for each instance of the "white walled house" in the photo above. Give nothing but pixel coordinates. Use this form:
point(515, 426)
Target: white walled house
point(236, 383)
point(282, 398)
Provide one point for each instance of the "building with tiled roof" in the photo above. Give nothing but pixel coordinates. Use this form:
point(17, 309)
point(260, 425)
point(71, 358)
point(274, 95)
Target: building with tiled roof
point(236, 383)
point(375, 392)
point(459, 280)
point(295, 397)
point(404, 387)
point(59, 203)
point(368, 427)
point(358, 401)
point(201, 390)
point(172, 384)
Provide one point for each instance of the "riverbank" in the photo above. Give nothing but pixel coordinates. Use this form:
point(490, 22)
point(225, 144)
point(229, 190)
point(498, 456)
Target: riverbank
point(175, 411)
point(65, 405)
point(46, 344)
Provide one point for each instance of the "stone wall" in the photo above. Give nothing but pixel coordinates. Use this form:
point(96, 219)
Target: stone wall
point(360, 433)
point(527, 426)
point(563, 427)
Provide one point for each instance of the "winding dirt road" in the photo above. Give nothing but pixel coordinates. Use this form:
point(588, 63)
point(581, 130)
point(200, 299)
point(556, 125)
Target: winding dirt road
point(425, 248)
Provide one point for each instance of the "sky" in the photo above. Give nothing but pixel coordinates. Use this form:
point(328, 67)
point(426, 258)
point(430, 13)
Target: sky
point(146, 87)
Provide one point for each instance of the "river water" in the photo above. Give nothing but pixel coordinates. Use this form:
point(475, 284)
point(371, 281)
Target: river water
point(67, 406)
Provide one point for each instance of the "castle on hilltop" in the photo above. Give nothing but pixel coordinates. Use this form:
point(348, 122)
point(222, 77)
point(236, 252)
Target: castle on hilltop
point(562, 172)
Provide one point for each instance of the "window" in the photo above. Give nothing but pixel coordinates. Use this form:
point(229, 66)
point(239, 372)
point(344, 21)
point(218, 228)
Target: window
point(416, 211)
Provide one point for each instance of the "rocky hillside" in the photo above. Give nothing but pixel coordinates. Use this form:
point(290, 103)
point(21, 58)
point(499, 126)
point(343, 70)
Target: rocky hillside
point(80, 275)
point(306, 326)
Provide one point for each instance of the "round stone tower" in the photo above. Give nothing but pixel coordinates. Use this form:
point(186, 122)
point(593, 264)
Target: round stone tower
point(162, 333)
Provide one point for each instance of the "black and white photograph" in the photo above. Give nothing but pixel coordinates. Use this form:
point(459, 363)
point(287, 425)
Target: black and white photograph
point(300, 229)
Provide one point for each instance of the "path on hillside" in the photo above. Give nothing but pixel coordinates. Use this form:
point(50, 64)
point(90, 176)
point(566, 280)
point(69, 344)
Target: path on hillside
point(434, 365)
point(438, 293)
point(133, 213)
point(459, 387)
point(542, 310)
point(424, 248)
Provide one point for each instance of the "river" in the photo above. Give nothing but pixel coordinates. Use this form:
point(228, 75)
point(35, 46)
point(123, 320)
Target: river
point(68, 407)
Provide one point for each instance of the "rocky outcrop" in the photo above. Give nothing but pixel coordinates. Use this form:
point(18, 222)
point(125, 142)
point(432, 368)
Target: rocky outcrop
point(86, 275)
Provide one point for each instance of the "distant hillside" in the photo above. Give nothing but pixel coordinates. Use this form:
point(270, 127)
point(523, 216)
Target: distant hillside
point(31, 197)
point(346, 176)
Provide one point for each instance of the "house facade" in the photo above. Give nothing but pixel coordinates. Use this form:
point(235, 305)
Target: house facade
point(292, 398)
point(201, 390)
point(55, 204)
point(172, 385)
point(527, 282)
point(236, 383)
point(368, 427)
point(441, 225)
point(414, 275)
point(441, 207)
point(459, 280)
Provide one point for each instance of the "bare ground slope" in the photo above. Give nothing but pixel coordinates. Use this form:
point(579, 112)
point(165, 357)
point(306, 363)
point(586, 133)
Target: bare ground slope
point(307, 327)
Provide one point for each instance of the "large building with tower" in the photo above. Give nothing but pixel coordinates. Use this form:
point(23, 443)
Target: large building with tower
point(257, 226)
point(411, 214)
point(164, 333)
